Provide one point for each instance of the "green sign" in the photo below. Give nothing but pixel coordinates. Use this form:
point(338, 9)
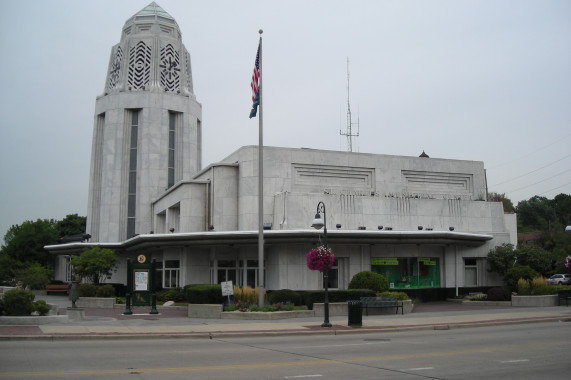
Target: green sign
point(384, 261)
point(426, 261)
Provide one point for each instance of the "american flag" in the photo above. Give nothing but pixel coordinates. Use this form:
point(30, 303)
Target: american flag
point(254, 84)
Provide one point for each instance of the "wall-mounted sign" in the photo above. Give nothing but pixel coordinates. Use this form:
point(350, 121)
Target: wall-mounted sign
point(384, 261)
point(426, 261)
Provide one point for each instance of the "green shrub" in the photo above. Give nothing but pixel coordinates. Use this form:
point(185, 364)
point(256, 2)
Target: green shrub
point(513, 275)
point(523, 287)
point(285, 296)
point(41, 307)
point(107, 291)
point(401, 296)
point(34, 277)
point(499, 294)
point(204, 294)
point(369, 280)
point(18, 302)
point(172, 294)
point(87, 290)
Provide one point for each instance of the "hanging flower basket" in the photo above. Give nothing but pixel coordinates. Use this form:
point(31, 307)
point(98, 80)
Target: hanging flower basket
point(320, 259)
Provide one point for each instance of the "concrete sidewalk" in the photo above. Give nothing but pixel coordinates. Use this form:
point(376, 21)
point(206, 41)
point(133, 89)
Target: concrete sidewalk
point(173, 323)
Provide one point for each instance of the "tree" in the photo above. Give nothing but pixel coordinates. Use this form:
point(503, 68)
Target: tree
point(72, 224)
point(25, 242)
point(535, 214)
point(502, 258)
point(536, 258)
point(562, 207)
point(8, 269)
point(497, 197)
point(33, 277)
point(94, 263)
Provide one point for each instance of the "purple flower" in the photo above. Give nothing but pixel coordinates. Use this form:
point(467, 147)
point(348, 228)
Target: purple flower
point(320, 259)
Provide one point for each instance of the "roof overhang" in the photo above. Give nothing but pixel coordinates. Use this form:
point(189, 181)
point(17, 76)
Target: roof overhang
point(246, 238)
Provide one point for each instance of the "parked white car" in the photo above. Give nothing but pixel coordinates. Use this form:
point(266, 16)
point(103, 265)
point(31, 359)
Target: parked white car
point(559, 279)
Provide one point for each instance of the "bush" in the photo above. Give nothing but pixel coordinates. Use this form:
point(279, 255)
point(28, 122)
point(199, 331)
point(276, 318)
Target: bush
point(204, 294)
point(41, 307)
point(499, 294)
point(18, 302)
point(107, 291)
point(513, 275)
point(284, 296)
point(245, 295)
point(401, 296)
point(369, 280)
point(87, 290)
point(172, 294)
point(33, 277)
point(523, 287)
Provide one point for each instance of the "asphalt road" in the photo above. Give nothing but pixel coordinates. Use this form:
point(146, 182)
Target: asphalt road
point(526, 351)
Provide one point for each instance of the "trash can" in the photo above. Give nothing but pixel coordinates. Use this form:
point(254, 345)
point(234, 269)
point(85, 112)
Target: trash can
point(355, 313)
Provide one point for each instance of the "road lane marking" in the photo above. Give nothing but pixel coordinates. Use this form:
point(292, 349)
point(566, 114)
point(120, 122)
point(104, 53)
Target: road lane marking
point(301, 376)
point(514, 361)
point(416, 369)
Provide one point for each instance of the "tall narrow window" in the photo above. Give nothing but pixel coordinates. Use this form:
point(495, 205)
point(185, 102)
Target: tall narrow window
point(171, 163)
point(132, 191)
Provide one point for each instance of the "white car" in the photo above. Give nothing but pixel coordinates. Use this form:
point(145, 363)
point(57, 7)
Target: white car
point(559, 279)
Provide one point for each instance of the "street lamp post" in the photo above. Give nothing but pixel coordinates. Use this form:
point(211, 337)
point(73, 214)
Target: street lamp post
point(317, 224)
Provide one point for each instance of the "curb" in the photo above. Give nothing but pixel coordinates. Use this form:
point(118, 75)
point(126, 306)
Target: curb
point(253, 333)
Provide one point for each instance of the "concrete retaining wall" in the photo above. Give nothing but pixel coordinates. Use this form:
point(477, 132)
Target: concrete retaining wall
point(207, 311)
point(535, 301)
point(266, 316)
point(95, 302)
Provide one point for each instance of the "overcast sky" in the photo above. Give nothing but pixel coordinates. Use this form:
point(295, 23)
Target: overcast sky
point(471, 80)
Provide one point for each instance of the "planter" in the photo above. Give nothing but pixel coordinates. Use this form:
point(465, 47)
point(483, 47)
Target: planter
point(95, 302)
point(535, 301)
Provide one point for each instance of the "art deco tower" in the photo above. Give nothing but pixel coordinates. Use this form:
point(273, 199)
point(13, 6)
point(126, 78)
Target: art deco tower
point(147, 128)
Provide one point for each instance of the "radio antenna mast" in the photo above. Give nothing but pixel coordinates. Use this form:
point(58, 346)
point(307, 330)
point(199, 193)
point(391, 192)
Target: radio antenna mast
point(349, 132)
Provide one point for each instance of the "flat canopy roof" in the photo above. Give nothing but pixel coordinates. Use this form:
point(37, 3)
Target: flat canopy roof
point(213, 239)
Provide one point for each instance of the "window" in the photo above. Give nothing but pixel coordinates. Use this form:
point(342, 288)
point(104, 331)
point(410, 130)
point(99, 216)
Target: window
point(171, 274)
point(408, 272)
point(333, 276)
point(227, 271)
point(470, 272)
point(171, 156)
point(132, 180)
point(248, 275)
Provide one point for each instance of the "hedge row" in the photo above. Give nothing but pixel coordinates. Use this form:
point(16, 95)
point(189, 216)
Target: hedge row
point(212, 294)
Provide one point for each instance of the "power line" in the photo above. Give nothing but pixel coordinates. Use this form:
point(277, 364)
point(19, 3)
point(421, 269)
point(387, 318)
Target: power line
point(543, 180)
point(559, 187)
point(533, 171)
point(531, 153)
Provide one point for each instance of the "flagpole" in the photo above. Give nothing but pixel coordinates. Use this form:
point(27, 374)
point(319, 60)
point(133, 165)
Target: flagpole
point(261, 187)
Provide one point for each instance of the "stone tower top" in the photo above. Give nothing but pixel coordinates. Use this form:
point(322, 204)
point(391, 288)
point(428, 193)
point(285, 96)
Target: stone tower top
point(152, 19)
